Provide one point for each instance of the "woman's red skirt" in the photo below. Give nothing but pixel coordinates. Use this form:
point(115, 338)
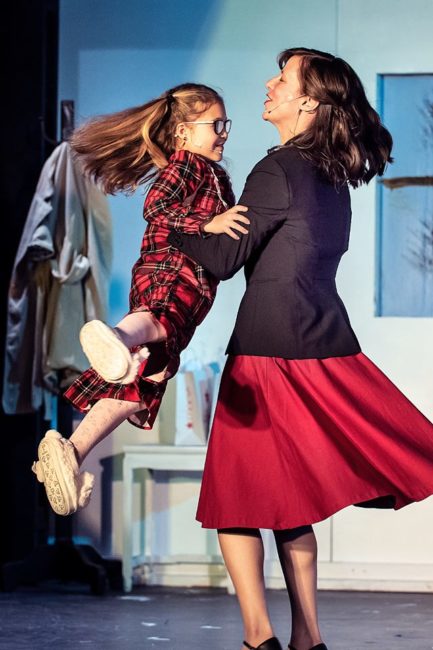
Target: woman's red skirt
point(294, 441)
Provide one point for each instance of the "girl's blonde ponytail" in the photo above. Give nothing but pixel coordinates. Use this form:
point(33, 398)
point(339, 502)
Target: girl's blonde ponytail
point(124, 150)
point(149, 127)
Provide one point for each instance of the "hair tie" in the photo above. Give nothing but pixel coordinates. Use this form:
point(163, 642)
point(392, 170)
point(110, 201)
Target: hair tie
point(168, 99)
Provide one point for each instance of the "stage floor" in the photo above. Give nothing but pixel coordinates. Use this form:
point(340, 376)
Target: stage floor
point(201, 619)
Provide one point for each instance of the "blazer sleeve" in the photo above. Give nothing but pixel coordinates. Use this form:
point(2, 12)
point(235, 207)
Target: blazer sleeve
point(267, 196)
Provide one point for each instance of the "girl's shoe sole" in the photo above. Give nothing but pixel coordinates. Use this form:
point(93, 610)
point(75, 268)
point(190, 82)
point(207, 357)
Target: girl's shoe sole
point(58, 494)
point(107, 354)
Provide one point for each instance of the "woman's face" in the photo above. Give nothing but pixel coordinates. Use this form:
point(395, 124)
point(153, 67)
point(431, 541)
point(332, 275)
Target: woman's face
point(284, 96)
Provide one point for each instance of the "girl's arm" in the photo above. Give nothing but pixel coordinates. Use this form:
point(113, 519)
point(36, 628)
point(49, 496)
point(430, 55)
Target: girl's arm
point(266, 194)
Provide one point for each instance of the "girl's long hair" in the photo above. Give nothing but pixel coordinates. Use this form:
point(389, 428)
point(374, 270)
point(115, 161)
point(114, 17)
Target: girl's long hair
point(346, 141)
point(123, 150)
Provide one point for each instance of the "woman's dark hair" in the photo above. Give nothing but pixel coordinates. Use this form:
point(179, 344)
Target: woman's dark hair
point(122, 150)
point(347, 141)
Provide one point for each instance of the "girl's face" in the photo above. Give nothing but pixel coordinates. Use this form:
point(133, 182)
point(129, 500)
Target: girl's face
point(202, 138)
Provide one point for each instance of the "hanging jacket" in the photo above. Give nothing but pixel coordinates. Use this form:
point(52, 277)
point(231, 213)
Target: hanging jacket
point(59, 281)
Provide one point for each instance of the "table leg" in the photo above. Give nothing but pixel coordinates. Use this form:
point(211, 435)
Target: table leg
point(127, 524)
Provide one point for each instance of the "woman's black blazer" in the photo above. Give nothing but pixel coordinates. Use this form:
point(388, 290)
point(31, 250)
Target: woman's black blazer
point(299, 230)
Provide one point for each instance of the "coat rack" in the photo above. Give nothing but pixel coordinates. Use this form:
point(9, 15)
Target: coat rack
point(63, 560)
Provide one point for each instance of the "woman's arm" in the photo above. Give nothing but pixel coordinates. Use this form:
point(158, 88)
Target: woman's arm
point(266, 194)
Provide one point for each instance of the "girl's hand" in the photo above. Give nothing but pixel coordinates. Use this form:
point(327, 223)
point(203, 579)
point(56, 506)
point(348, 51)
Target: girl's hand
point(228, 222)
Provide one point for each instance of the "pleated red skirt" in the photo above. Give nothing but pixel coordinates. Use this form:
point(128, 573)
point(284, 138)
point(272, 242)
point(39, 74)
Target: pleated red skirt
point(294, 441)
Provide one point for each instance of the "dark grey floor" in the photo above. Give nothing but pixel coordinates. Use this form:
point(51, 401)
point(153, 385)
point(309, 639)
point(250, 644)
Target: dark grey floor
point(202, 619)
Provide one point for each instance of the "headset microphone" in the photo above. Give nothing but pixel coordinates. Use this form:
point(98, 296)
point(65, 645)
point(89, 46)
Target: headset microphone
point(275, 107)
point(287, 101)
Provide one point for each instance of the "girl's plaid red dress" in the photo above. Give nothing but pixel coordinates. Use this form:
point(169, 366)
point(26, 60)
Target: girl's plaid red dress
point(176, 290)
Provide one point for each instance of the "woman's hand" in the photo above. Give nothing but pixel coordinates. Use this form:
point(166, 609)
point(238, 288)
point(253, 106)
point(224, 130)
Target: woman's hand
point(228, 222)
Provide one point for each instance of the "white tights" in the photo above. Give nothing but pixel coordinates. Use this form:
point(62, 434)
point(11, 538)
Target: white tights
point(137, 328)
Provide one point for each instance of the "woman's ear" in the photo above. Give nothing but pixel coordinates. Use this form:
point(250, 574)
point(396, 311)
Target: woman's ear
point(309, 105)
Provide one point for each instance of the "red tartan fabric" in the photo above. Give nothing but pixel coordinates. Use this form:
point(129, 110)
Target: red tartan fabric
point(176, 290)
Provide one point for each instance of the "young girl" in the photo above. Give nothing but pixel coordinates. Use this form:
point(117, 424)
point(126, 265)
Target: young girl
point(180, 137)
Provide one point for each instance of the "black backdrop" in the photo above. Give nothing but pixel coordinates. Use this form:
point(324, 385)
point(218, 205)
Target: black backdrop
point(29, 42)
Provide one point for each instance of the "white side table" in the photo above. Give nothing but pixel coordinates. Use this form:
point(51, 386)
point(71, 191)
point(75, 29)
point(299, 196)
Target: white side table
point(150, 457)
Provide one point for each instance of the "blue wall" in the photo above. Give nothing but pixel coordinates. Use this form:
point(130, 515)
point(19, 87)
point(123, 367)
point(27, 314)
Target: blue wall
point(405, 219)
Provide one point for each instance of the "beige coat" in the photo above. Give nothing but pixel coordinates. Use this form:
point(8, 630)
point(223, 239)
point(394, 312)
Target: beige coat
point(59, 281)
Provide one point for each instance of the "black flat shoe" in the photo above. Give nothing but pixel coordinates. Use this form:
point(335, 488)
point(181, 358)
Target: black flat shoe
point(270, 644)
point(321, 646)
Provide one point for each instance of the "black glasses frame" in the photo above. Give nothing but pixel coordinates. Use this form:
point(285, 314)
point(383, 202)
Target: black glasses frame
point(219, 126)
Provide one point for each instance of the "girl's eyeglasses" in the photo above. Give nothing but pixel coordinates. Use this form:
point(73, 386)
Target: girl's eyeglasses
point(219, 126)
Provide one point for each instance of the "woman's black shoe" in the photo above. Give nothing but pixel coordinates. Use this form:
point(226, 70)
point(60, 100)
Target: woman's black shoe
point(270, 644)
point(321, 646)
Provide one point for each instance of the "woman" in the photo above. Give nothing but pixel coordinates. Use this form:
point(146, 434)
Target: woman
point(305, 424)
